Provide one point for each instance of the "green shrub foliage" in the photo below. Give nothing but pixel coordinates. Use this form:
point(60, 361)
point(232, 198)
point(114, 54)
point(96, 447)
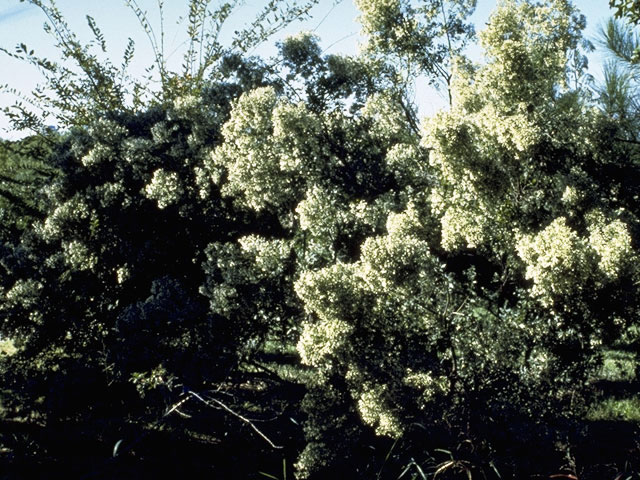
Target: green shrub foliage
point(24, 170)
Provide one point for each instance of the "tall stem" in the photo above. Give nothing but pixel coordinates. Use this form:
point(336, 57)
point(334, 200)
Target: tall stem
point(447, 77)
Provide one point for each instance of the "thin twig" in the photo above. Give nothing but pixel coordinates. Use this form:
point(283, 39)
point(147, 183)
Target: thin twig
point(176, 407)
point(232, 412)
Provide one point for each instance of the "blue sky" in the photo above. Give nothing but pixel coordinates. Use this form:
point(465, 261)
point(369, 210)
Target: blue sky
point(333, 22)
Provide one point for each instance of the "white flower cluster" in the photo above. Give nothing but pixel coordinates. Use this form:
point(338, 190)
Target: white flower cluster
point(24, 293)
point(329, 293)
point(372, 409)
point(223, 299)
point(162, 132)
point(74, 209)
point(248, 154)
point(269, 255)
point(78, 256)
point(612, 242)
point(482, 149)
point(186, 104)
point(123, 273)
point(321, 340)
point(108, 131)
point(165, 188)
point(427, 383)
point(388, 292)
point(571, 196)
point(296, 132)
point(409, 163)
point(271, 146)
point(136, 149)
point(388, 120)
point(558, 261)
point(112, 193)
point(98, 154)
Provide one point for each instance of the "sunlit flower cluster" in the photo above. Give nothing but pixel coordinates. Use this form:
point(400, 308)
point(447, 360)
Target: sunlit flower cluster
point(612, 243)
point(78, 256)
point(165, 188)
point(558, 261)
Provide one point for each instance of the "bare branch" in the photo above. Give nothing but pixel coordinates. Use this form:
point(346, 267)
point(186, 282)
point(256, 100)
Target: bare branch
point(235, 414)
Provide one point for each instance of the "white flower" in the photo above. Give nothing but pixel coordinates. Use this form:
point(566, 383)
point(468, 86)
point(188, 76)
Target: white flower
point(165, 188)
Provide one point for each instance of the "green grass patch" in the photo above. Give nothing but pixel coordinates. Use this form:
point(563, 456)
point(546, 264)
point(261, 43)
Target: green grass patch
point(612, 409)
point(618, 366)
point(277, 346)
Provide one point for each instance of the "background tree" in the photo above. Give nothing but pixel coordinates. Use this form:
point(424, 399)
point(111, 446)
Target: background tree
point(618, 95)
point(417, 39)
point(85, 85)
point(626, 8)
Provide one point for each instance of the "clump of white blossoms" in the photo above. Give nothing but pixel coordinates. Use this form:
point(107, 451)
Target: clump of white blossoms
point(78, 256)
point(557, 260)
point(319, 340)
point(123, 274)
point(270, 255)
point(24, 292)
point(560, 262)
point(97, 155)
point(374, 412)
point(73, 209)
point(612, 243)
point(165, 188)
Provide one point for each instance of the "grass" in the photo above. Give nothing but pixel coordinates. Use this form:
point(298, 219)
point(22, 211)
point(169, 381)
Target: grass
point(616, 409)
point(619, 366)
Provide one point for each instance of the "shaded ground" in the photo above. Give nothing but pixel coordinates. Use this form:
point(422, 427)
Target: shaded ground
point(202, 441)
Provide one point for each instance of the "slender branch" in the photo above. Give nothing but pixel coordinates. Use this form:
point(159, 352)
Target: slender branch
point(339, 40)
point(235, 414)
point(161, 12)
point(634, 142)
point(175, 408)
point(272, 374)
point(446, 29)
point(158, 52)
point(203, 29)
point(410, 117)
